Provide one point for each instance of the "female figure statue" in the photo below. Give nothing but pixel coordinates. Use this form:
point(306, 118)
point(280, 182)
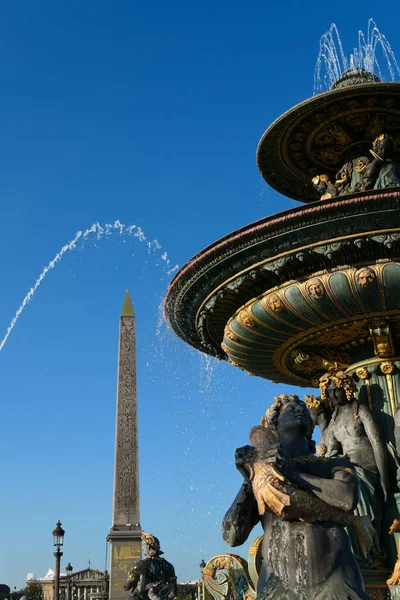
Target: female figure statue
point(352, 432)
point(301, 560)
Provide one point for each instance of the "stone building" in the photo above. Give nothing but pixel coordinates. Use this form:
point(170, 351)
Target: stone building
point(88, 584)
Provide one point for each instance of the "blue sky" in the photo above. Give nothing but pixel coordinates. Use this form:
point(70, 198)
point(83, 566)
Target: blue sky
point(150, 113)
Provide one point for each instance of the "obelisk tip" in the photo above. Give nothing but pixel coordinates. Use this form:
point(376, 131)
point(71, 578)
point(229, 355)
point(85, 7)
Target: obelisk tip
point(127, 308)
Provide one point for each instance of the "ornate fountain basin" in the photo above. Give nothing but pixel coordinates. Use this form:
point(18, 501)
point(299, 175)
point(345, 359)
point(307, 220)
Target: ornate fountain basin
point(282, 296)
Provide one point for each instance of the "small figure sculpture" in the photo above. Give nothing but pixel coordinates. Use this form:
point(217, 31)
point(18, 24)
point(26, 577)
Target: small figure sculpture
point(324, 186)
point(353, 433)
point(301, 560)
point(314, 287)
point(383, 172)
point(152, 578)
point(365, 277)
point(350, 178)
point(275, 303)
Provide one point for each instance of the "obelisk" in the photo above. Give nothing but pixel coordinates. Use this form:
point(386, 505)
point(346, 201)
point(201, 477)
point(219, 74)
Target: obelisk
point(125, 534)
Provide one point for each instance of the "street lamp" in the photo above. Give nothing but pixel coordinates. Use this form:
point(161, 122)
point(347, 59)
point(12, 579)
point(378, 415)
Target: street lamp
point(58, 540)
point(202, 565)
point(69, 570)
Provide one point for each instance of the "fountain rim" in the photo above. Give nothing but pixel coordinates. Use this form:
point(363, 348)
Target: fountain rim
point(239, 240)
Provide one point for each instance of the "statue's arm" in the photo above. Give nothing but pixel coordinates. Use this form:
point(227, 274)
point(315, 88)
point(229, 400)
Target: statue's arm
point(341, 491)
point(241, 517)
point(133, 579)
point(136, 578)
point(374, 436)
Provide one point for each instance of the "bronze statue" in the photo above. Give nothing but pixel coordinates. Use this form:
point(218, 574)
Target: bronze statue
point(383, 172)
point(152, 578)
point(352, 432)
point(324, 186)
point(361, 173)
point(279, 496)
point(350, 178)
point(292, 568)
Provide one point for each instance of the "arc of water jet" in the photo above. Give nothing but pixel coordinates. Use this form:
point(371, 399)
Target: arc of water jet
point(99, 231)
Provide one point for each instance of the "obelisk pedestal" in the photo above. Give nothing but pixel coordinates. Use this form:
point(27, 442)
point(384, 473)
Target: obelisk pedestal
point(125, 534)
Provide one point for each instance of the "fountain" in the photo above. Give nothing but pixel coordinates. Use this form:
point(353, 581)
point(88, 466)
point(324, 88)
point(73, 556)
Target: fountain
point(312, 295)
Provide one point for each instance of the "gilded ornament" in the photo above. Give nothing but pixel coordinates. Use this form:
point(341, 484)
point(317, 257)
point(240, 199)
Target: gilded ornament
point(363, 373)
point(231, 335)
point(315, 288)
point(222, 562)
point(342, 380)
point(321, 450)
point(324, 187)
point(365, 277)
point(309, 362)
point(245, 318)
point(274, 302)
point(235, 364)
point(383, 136)
point(225, 348)
point(387, 367)
point(312, 401)
point(382, 338)
point(324, 178)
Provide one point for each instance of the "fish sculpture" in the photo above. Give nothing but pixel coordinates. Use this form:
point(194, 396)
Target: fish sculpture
point(277, 494)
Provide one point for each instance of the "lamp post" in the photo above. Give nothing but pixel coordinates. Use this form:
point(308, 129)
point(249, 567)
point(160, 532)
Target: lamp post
point(58, 540)
point(202, 565)
point(69, 570)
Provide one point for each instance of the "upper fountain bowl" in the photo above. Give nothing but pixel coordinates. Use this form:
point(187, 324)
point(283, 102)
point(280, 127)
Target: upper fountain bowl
point(355, 76)
point(322, 133)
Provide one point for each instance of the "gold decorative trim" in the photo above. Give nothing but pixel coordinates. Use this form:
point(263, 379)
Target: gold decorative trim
point(289, 345)
point(305, 335)
point(369, 361)
point(341, 334)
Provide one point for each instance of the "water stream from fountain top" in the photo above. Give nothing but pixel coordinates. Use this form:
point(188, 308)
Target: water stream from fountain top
point(332, 61)
point(97, 231)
